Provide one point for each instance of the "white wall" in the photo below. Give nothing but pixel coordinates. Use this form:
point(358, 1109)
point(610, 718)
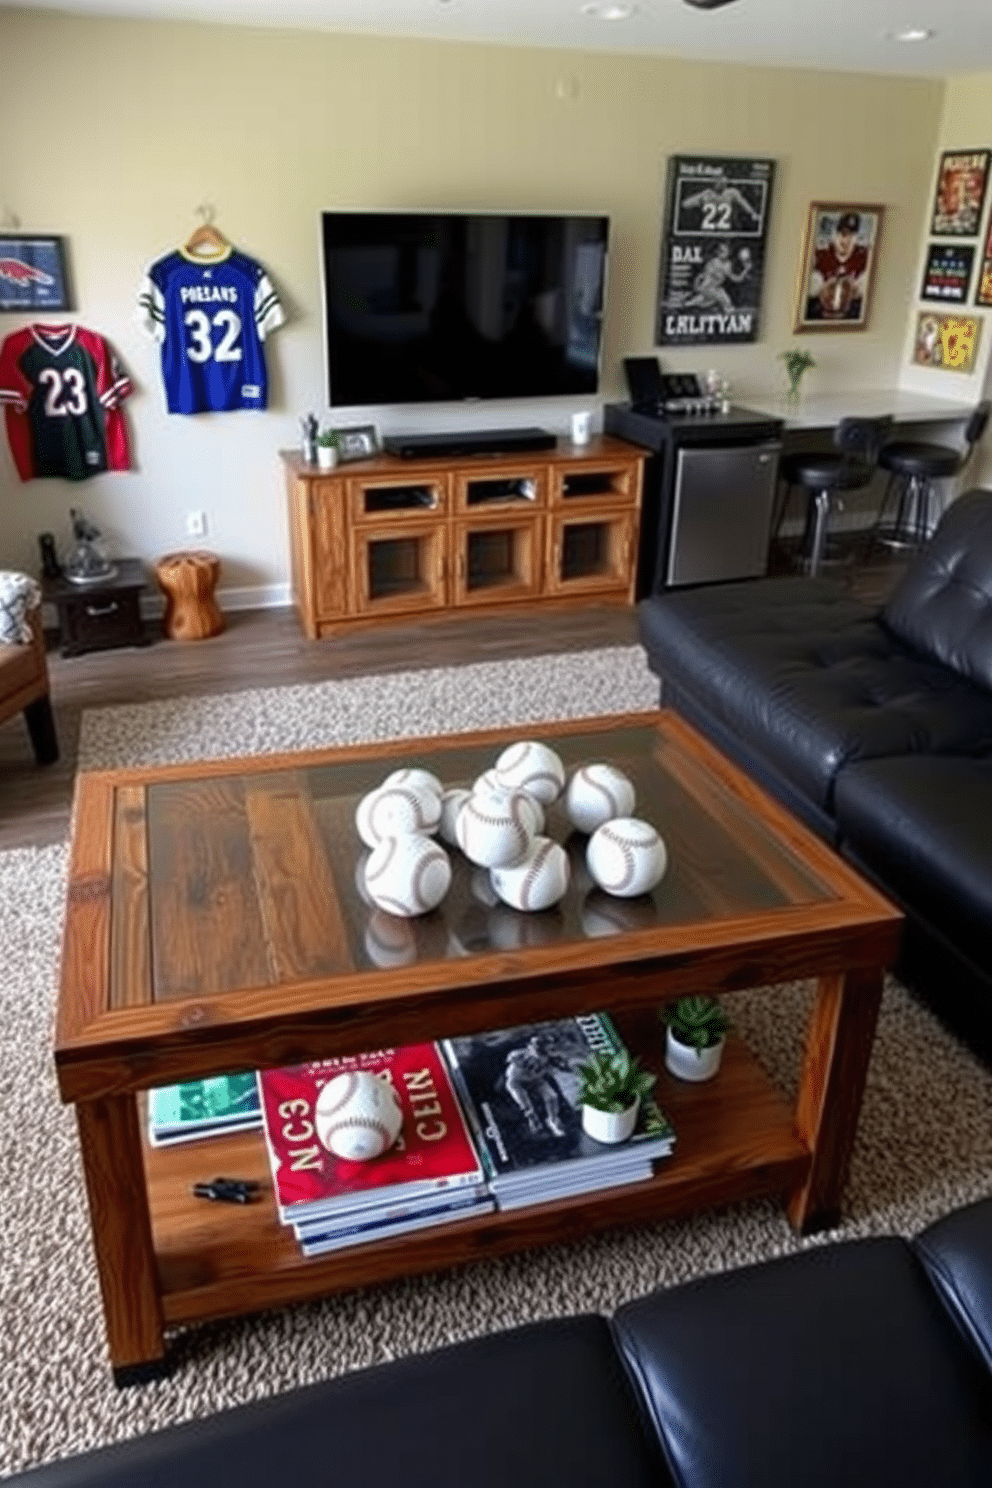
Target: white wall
point(272, 126)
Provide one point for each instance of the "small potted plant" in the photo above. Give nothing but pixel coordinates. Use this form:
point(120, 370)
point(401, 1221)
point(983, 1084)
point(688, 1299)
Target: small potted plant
point(613, 1085)
point(697, 1028)
point(327, 449)
point(796, 363)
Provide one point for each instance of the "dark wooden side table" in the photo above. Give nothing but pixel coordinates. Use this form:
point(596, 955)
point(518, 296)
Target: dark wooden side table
point(102, 615)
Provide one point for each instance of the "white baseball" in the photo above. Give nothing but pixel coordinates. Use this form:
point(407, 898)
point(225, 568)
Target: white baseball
point(626, 856)
point(395, 810)
point(408, 875)
point(486, 786)
point(415, 776)
point(596, 794)
point(452, 802)
point(539, 881)
point(358, 1115)
point(495, 830)
point(486, 782)
point(533, 767)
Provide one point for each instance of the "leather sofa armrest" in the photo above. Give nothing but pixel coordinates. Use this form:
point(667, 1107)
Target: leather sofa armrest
point(957, 1255)
point(835, 1366)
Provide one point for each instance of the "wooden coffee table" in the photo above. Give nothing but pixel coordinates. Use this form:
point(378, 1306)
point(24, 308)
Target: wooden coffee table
point(214, 924)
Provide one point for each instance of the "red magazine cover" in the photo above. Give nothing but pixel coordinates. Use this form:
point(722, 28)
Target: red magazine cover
point(434, 1151)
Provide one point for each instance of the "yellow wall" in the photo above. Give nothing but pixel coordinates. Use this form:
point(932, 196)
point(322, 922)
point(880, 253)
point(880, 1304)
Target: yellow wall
point(272, 126)
point(966, 124)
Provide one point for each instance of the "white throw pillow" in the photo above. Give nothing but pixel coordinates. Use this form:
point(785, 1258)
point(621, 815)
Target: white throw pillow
point(19, 594)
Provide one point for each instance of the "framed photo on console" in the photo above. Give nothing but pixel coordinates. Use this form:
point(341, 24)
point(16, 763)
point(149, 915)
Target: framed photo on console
point(33, 273)
point(837, 269)
point(360, 442)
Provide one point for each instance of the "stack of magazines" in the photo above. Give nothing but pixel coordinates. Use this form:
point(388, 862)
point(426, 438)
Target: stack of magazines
point(202, 1108)
point(520, 1089)
point(431, 1176)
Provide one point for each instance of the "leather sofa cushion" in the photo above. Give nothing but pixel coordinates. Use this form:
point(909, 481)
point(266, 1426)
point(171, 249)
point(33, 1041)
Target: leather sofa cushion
point(957, 1255)
point(942, 607)
point(544, 1406)
point(809, 678)
point(924, 827)
point(838, 1366)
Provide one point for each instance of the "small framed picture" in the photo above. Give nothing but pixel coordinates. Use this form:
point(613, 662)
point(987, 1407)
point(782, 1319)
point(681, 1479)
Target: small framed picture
point(837, 270)
point(947, 342)
point(983, 289)
point(947, 273)
point(960, 193)
point(33, 273)
point(359, 442)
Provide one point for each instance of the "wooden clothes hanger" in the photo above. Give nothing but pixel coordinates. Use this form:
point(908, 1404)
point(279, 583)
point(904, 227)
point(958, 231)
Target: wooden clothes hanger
point(206, 240)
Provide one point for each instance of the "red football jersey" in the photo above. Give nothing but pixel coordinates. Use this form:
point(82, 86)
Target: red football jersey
point(61, 387)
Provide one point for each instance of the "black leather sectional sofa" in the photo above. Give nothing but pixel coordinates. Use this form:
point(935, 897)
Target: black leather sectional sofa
point(864, 1364)
point(873, 725)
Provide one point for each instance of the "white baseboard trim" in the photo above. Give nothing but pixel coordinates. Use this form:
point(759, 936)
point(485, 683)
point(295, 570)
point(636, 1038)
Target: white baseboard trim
point(247, 597)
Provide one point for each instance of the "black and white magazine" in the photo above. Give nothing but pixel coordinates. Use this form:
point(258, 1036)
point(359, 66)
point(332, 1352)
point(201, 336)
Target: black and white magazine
point(520, 1089)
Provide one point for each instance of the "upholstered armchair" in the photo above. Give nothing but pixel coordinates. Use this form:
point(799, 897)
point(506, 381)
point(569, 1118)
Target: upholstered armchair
point(24, 666)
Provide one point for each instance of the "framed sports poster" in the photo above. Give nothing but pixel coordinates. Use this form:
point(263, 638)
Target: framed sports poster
point(947, 273)
point(960, 195)
point(33, 273)
point(837, 270)
point(983, 289)
point(947, 342)
point(713, 250)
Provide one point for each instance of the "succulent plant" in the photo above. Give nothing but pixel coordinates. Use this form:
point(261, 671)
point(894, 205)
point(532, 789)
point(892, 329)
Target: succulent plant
point(698, 1022)
point(613, 1081)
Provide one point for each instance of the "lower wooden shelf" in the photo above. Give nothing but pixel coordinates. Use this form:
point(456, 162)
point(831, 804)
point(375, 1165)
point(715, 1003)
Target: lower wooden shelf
point(735, 1139)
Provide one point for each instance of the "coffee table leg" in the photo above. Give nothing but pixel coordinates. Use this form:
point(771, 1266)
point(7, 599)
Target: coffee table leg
point(110, 1140)
point(835, 1066)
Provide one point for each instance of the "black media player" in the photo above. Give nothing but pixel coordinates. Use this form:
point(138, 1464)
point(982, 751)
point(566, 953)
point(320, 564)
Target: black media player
point(469, 442)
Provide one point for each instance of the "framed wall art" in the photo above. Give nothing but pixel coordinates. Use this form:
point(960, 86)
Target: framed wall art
point(713, 250)
point(983, 289)
point(960, 193)
point(837, 269)
point(33, 273)
point(947, 342)
point(947, 273)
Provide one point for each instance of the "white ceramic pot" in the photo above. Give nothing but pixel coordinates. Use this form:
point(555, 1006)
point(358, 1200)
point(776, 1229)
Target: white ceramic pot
point(688, 1063)
point(609, 1126)
point(327, 456)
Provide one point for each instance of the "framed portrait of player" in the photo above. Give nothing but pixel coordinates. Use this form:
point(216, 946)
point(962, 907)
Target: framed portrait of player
point(713, 250)
point(959, 195)
point(33, 273)
point(837, 270)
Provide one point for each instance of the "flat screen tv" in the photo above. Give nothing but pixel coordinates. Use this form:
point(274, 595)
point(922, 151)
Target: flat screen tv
point(431, 307)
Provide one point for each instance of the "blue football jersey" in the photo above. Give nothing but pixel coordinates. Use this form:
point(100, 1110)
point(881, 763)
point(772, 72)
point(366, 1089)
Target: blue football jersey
point(211, 317)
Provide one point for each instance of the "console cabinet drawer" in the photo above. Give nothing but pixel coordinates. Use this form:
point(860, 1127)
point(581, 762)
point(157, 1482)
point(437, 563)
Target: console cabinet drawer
point(391, 500)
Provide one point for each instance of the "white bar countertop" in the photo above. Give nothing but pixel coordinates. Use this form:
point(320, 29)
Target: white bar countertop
point(824, 410)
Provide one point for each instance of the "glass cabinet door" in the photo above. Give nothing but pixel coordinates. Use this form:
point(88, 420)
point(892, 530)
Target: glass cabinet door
point(399, 568)
point(593, 553)
point(496, 561)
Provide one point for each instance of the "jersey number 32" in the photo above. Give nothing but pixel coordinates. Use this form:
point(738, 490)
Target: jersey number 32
point(228, 328)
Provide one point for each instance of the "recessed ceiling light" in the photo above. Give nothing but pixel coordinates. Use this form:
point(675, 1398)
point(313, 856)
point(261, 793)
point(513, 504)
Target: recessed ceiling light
point(598, 12)
point(911, 33)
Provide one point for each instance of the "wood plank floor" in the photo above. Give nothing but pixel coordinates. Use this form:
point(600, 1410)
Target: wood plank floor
point(259, 648)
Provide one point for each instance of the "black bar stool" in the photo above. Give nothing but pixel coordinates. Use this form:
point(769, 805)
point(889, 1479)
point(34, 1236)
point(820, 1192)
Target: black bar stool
point(913, 467)
point(849, 466)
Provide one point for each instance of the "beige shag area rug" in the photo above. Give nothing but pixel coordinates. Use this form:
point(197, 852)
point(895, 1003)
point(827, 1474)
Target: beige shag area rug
point(924, 1143)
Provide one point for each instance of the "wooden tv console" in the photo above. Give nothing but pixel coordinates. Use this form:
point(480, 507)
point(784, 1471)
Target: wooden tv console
point(383, 538)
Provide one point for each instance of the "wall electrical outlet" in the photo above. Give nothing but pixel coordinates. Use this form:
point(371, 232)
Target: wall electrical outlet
point(196, 523)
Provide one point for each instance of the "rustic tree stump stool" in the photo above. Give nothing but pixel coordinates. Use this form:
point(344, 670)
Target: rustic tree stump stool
point(188, 581)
